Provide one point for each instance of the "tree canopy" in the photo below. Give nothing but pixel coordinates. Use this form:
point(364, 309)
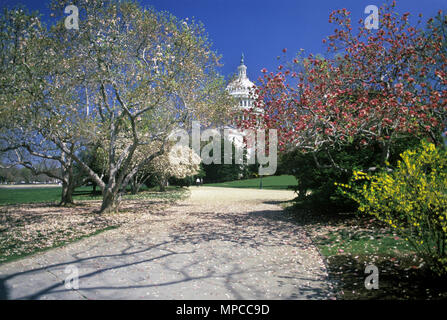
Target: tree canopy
point(125, 80)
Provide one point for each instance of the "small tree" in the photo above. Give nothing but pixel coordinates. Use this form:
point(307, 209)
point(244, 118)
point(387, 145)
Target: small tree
point(180, 163)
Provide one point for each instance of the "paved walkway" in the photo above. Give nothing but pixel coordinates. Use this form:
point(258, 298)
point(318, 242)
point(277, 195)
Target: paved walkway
point(219, 244)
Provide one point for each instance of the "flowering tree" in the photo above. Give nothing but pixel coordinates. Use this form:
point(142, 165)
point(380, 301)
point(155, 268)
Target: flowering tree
point(22, 81)
point(376, 87)
point(180, 162)
point(127, 77)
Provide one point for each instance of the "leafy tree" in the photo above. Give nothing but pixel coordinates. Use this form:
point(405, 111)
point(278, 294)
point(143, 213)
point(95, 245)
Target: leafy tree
point(125, 80)
point(180, 163)
point(22, 81)
point(357, 107)
point(378, 88)
point(223, 172)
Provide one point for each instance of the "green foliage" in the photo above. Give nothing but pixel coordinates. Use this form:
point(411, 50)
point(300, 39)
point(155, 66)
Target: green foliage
point(315, 186)
point(223, 172)
point(316, 182)
point(96, 158)
point(412, 199)
point(181, 182)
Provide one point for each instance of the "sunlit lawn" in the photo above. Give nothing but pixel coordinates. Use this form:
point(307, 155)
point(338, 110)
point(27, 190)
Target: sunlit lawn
point(268, 182)
point(29, 195)
point(23, 195)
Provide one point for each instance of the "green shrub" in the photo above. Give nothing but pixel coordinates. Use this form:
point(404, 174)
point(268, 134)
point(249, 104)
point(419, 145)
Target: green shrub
point(223, 172)
point(315, 185)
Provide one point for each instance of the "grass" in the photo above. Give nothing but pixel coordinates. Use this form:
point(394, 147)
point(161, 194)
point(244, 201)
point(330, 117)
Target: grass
point(350, 242)
point(362, 242)
point(270, 182)
point(29, 195)
point(10, 196)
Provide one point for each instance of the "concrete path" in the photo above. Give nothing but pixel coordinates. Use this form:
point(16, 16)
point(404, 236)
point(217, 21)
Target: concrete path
point(220, 243)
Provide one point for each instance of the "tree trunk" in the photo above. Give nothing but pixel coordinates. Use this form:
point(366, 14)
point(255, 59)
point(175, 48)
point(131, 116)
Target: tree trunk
point(385, 152)
point(110, 199)
point(68, 183)
point(135, 185)
point(162, 184)
point(67, 193)
point(108, 202)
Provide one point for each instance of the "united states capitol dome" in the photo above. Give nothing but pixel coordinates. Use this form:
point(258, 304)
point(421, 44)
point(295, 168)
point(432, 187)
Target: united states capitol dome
point(241, 86)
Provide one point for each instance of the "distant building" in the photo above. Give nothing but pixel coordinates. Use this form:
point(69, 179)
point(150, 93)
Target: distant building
point(242, 89)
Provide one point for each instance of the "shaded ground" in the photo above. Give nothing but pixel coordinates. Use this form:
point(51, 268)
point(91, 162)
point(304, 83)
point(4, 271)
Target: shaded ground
point(29, 228)
point(218, 244)
point(350, 242)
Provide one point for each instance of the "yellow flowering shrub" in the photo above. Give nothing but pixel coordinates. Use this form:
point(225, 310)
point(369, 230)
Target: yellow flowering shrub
point(412, 199)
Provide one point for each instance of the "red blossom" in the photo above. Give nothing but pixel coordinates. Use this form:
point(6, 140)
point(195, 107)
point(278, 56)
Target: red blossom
point(377, 88)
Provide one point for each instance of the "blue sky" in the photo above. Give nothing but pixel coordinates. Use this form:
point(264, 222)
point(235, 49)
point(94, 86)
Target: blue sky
point(262, 28)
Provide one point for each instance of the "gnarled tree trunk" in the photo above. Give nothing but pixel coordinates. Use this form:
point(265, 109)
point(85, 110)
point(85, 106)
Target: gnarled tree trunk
point(110, 200)
point(68, 180)
point(67, 193)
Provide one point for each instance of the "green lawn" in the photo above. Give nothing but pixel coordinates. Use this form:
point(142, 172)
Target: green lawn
point(53, 194)
point(10, 196)
point(270, 182)
point(29, 195)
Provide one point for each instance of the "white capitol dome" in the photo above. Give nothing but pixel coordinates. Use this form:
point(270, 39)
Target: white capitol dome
point(241, 87)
